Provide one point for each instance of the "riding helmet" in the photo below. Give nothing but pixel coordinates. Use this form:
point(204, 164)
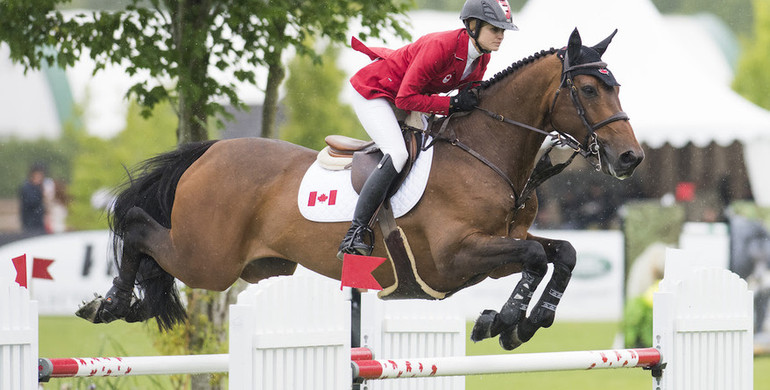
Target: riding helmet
point(495, 12)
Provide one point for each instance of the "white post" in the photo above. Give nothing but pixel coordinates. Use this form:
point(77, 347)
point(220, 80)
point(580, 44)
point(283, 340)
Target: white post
point(703, 327)
point(290, 333)
point(412, 329)
point(18, 338)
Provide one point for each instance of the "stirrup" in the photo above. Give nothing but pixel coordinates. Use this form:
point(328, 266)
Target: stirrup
point(354, 243)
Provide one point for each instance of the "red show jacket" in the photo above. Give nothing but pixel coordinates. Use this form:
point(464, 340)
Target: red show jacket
point(411, 76)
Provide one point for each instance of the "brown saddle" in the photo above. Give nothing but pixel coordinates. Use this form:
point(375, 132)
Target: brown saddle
point(366, 155)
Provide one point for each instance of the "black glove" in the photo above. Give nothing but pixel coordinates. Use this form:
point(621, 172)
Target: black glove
point(465, 100)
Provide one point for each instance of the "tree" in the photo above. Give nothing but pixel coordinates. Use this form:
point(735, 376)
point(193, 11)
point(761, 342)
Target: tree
point(752, 80)
point(177, 46)
point(315, 113)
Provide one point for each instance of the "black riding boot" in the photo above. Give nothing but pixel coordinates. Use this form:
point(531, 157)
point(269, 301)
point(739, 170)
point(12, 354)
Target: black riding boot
point(372, 195)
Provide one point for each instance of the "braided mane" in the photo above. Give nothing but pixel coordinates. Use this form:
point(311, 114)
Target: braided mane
point(515, 66)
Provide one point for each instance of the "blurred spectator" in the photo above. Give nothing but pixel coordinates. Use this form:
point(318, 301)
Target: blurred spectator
point(57, 208)
point(32, 207)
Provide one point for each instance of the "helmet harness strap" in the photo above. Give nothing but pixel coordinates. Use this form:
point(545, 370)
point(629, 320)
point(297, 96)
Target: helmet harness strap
point(474, 33)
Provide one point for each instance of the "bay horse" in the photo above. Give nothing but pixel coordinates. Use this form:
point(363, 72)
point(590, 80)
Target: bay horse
point(212, 212)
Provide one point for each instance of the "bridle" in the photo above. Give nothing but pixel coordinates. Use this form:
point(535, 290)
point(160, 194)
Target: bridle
point(544, 168)
point(590, 146)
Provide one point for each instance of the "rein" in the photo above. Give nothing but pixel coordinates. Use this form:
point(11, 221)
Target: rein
point(544, 168)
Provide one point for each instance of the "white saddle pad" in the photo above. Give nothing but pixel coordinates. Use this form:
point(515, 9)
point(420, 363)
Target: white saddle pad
point(328, 196)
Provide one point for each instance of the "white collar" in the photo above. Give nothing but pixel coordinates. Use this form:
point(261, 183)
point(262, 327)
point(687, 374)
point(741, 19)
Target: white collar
point(473, 53)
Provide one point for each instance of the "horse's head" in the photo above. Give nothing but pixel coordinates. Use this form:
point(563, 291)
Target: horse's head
point(588, 109)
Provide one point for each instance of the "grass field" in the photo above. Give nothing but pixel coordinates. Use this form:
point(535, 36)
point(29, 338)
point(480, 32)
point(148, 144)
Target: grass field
point(73, 337)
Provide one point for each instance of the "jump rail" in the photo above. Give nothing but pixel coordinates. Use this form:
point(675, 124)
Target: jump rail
point(500, 364)
point(280, 338)
point(147, 365)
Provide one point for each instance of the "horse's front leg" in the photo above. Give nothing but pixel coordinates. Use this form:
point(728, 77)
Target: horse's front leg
point(563, 257)
point(484, 254)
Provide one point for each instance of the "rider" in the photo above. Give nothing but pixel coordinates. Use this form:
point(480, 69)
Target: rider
point(412, 78)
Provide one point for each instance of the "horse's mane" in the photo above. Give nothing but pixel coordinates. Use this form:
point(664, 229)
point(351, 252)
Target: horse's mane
point(515, 66)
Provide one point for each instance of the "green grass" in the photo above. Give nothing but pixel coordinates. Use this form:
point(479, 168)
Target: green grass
point(73, 337)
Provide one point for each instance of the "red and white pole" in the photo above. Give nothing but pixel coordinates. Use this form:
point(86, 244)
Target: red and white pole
point(499, 364)
point(138, 365)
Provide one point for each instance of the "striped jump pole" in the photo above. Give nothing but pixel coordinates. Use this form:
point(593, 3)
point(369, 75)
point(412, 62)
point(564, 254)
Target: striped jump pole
point(125, 366)
point(147, 365)
point(499, 364)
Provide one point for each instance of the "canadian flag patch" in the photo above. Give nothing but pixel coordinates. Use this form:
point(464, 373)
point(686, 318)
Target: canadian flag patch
point(323, 198)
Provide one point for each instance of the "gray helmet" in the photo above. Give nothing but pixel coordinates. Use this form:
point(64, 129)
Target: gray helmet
point(495, 12)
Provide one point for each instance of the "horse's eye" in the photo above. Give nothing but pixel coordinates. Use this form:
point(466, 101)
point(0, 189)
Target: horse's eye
point(588, 90)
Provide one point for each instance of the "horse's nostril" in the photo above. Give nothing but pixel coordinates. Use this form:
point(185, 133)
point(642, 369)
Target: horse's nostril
point(630, 159)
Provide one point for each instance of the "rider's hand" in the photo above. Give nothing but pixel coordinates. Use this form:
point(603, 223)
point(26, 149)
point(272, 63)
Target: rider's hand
point(465, 100)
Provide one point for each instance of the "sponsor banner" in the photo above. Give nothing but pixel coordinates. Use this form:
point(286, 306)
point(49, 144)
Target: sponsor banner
point(78, 264)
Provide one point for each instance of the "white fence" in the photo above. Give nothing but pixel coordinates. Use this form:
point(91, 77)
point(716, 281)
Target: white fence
point(18, 338)
point(707, 334)
point(295, 333)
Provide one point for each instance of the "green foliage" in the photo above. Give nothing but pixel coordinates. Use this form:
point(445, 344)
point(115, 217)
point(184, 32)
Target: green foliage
point(752, 210)
point(313, 105)
point(736, 13)
point(637, 323)
point(175, 46)
point(752, 79)
point(101, 164)
point(648, 222)
point(457, 5)
point(16, 157)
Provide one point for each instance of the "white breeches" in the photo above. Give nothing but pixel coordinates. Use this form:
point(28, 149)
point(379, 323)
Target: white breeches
point(380, 123)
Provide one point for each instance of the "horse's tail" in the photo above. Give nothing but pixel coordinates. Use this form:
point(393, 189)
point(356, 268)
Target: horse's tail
point(151, 186)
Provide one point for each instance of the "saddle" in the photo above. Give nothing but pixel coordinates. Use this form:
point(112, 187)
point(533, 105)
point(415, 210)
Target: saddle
point(362, 157)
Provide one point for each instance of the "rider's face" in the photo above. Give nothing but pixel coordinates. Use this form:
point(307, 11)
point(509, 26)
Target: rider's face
point(490, 37)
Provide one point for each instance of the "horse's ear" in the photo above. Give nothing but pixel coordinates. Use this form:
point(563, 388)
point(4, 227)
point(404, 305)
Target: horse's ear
point(601, 47)
point(574, 46)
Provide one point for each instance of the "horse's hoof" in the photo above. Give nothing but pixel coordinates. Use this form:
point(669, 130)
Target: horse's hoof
point(90, 311)
point(138, 312)
point(509, 339)
point(482, 329)
point(526, 330)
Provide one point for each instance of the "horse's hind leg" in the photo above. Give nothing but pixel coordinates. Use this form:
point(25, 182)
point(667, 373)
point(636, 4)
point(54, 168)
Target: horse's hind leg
point(141, 235)
point(116, 304)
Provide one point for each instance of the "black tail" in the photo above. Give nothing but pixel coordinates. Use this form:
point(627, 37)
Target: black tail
point(152, 186)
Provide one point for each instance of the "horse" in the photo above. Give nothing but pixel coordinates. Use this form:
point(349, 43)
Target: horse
point(209, 213)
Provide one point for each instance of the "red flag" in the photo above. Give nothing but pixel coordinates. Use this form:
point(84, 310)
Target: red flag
point(20, 263)
point(40, 268)
point(357, 271)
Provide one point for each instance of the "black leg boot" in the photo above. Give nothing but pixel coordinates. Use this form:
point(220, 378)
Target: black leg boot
point(372, 195)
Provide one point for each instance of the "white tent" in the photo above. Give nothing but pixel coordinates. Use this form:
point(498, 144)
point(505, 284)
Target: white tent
point(27, 105)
